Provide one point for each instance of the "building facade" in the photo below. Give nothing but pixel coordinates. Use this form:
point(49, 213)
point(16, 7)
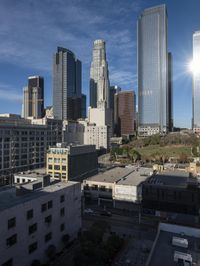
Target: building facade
point(33, 98)
point(99, 76)
point(71, 162)
point(153, 71)
point(35, 219)
point(23, 143)
point(196, 84)
point(125, 113)
point(67, 82)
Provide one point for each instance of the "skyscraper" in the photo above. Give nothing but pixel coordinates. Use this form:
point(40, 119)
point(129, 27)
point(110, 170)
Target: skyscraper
point(113, 90)
point(99, 76)
point(153, 71)
point(196, 83)
point(33, 98)
point(83, 106)
point(170, 92)
point(125, 113)
point(67, 80)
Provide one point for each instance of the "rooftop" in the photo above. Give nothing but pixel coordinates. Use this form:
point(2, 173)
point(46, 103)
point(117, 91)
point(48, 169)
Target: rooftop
point(8, 197)
point(123, 176)
point(170, 178)
point(136, 177)
point(164, 250)
point(35, 173)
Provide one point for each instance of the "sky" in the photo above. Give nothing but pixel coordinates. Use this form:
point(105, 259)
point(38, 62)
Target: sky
point(31, 30)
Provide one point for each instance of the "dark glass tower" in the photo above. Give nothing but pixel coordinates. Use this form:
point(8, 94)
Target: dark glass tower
point(67, 80)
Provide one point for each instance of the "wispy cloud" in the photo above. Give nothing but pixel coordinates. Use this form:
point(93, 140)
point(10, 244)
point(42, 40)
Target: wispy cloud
point(30, 31)
point(8, 93)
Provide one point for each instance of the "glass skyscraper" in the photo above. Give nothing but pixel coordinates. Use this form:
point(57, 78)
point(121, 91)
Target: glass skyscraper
point(153, 94)
point(67, 75)
point(196, 84)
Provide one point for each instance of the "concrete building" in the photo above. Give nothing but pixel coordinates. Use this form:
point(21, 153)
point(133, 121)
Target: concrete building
point(24, 142)
point(33, 98)
point(72, 162)
point(115, 186)
point(31, 176)
point(196, 83)
point(171, 192)
point(125, 113)
point(99, 76)
point(35, 218)
point(83, 132)
point(67, 82)
point(153, 72)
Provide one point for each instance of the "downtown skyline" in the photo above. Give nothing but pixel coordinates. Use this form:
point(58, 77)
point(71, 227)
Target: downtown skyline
point(22, 55)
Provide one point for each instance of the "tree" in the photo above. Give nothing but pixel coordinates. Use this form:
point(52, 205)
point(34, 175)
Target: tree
point(135, 155)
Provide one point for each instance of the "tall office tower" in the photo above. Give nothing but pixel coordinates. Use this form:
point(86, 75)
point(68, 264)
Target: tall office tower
point(99, 76)
point(113, 90)
point(170, 92)
point(196, 83)
point(125, 113)
point(33, 98)
point(83, 106)
point(153, 71)
point(67, 80)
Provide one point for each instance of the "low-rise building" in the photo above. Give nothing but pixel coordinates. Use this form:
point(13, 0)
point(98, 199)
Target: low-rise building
point(117, 185)
point(70, 162)
point(171, 192)
point(35, 220)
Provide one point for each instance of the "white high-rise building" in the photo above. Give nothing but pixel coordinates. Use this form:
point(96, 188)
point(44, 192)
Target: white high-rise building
point(99, 76)
point(196, 83)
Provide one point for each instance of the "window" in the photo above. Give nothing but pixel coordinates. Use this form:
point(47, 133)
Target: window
point(29, 214)
point(43, 207)
point(11, 222)
point(11, 240)
point(8, 263)
point(48, 219)
point(62, 198)
point(50, 167)
point(48, 237)
point(32, 228)
point(18, 180)
point(64, 168)
point(32, 247)
point(62, 227)
point(56, 167)
point(50, 204)
point(62, 211)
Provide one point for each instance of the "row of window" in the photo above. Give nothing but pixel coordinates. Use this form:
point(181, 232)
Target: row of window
point(12, 240)
point(29, 213)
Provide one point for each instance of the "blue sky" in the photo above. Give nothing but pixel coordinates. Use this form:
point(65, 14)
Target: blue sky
point(31, 30)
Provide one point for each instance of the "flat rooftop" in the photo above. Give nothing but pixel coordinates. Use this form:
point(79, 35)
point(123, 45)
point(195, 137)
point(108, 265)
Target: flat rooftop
point(136, 177)
point(122, 176)
point(170, 178)
point(35, 173)
point(164, 251)
point(8, 197)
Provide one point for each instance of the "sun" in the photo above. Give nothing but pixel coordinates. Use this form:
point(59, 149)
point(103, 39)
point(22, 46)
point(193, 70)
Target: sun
point(194, 67)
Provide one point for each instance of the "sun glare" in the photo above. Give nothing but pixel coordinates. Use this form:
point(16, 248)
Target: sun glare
point(194, 67)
